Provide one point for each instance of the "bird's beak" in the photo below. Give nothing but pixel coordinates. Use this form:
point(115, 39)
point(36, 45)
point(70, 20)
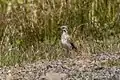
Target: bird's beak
point(59, 29)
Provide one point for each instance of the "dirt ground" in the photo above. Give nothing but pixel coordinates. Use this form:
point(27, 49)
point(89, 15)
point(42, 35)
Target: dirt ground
point(95, 67)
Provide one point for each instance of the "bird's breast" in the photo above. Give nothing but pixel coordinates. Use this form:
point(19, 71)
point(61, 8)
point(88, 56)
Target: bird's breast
point(64, 41)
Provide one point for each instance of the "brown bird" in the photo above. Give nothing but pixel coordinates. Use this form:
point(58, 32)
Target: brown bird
point(66, 41)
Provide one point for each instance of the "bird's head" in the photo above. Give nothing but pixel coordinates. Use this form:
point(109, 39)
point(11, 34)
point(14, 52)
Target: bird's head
point(64, 28)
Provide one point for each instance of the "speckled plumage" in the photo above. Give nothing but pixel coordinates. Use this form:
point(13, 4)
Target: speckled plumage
point(66, 40)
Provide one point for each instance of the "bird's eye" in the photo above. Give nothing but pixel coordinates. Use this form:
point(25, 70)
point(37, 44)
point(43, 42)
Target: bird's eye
point(64, 30)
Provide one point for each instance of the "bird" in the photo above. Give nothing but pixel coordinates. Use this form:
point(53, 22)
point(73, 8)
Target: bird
point(66, 40)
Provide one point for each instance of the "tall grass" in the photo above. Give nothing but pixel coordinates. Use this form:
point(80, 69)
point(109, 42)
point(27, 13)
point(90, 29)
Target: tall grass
point(29, 29)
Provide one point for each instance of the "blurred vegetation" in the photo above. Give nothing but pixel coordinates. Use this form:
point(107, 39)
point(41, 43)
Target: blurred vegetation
point(111, 63)
point(29, 28)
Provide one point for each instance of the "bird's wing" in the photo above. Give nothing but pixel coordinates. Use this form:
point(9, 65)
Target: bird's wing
point(71, 42)
point(69, 39)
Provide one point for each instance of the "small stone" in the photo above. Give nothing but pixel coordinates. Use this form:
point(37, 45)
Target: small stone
point(55, 76)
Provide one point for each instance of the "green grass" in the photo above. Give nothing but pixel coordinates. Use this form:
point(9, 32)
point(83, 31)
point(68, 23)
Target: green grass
point(29, 30)
point(111, 63)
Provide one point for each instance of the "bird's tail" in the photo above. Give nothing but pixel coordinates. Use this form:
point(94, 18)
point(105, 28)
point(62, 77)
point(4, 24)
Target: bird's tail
point(74, 47)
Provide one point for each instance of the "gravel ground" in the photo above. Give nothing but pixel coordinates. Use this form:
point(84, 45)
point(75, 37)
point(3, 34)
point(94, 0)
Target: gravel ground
point(80, 68)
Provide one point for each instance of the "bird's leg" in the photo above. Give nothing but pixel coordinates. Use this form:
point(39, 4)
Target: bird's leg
point(67, 53)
